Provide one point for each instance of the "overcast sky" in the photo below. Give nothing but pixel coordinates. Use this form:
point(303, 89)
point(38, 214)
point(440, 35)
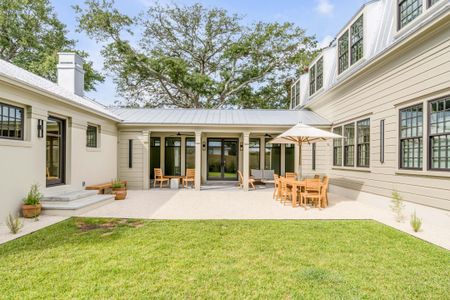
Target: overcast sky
point(322, 18)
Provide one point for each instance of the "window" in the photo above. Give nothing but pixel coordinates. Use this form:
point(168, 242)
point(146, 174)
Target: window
point(254, 149)
point(382, 141)
point(312, 80)
point(295, 94)
point(313, 156)
point(343, 52)
point(91, 136)
point(190, 153)
point(411, 127)
point(130, 154)
point(439, 125)
point(289, 158)
point(363, 143)
point(155, 155)
point(432, 2)
point(408, 10)
point(272, 157)
point(11, 122)
point(356, 40)
point(172, 156)
point(349, 145)
point(337, 148)
point(319, 74)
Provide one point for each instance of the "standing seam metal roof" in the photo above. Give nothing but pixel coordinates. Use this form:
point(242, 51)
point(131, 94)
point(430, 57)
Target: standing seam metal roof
point(258, 117)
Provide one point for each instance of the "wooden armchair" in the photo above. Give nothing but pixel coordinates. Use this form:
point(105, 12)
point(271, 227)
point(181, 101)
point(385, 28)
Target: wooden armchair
point(285, 191)
point(290, 175)
point(276, 186)
point(251, 181)
point(159, 177)
point(313, 191)
point(325, 183)
point(190, 177)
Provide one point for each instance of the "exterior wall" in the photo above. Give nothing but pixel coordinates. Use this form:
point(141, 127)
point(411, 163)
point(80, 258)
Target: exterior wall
point(414, 72)
point(24, 162)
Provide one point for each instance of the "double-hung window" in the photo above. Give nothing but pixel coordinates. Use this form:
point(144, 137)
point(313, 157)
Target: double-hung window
point(349, 145)
point(408, 10)
point(343, 52)
point(91, 136)
point(432, 2)
point(11, 122)
point(439, 129)
point(337, 148)
point(316, 76)
point(363, 143)
point(312, 80)
point(356, 40)
point(411, 137)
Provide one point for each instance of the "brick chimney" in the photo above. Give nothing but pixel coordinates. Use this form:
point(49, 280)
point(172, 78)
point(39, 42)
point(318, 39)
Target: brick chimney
point(70, 72)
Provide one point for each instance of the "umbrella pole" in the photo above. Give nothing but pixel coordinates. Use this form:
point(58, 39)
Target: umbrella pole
point(300, 175)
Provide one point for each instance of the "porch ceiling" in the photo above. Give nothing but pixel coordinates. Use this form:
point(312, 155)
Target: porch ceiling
point(230, 117)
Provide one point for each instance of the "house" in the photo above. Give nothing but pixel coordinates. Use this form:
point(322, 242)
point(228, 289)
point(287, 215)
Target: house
point(383, 83)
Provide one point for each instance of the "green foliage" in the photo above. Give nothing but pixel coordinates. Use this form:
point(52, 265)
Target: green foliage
point(397, 206)
point(34, 196)
point(192, 56)
point(31, 36)
point(416, 222)
point(117, 184)
point(14, 224)
point(228, 259)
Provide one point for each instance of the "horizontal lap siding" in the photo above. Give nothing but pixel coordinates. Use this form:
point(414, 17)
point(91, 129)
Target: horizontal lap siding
point(133, 175)
point(421, 70)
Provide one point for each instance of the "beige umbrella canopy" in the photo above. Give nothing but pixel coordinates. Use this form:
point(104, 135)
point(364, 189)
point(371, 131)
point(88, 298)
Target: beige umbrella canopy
point(300, 134)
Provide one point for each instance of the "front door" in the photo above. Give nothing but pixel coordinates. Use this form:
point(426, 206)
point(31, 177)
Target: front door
point(223, 159)
point(55, 151)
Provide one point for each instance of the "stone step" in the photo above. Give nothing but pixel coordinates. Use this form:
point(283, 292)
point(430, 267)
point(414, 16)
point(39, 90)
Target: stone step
point(68, 196)
point(75, 207)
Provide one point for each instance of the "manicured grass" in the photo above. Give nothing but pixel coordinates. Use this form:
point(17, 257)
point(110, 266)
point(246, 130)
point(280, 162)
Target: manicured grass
point(107, 258)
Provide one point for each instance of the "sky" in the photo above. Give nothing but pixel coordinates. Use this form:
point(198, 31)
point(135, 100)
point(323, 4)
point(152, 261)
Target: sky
point(321, 18)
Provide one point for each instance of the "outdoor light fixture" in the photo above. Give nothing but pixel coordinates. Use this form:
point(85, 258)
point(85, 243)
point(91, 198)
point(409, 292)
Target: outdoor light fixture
point(267, 135)
point(241, 146)
point(40, 128)
point(204, 146)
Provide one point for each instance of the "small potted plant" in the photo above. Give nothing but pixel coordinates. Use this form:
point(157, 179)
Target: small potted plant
point(119, 189)
point(31, 207)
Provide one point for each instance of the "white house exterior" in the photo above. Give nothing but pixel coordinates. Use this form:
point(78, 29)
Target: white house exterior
point(383, 83)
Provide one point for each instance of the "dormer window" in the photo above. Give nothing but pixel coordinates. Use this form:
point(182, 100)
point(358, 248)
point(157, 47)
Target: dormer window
point(295, 94)
point(316, 76)
point(408, 10)
point(343, 52)
point(356, 39)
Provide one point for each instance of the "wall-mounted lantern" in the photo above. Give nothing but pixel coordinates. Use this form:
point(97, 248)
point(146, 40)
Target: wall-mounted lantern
point(204, 146)
point(40, 128)
point(241, 147)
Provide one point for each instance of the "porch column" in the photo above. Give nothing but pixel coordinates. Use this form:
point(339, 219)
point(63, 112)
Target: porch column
point(246, 158)
point(145, 159)
point(296, 159)
point(198, 160)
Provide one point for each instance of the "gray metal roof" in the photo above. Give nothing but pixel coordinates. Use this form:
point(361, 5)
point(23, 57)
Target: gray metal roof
point(25, 77)
point(244, 117)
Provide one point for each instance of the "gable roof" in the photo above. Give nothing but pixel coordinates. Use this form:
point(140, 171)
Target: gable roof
point(39, 83)
point(237, 117)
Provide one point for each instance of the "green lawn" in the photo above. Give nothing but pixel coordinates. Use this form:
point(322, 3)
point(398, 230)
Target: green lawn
point(82, 258)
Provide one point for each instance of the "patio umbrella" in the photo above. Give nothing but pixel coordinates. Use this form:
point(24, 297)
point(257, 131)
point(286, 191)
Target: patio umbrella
point(301, 134)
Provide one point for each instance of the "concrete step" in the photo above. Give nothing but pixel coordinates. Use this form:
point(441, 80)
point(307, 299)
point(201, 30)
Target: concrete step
point(68, 196)
point(75, 207)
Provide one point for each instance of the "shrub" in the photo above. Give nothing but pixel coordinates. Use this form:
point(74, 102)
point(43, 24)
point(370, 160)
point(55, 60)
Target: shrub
point(34, 196)
point(416, 222)
point(397, 206)
point(14, 224)
point(117, 184)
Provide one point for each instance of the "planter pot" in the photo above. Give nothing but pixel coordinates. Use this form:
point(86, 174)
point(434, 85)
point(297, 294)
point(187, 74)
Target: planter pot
point(121, 193)
point(31, 211)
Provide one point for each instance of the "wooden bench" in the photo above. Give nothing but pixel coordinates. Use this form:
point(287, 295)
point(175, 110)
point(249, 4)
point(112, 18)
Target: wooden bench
point(101, 188)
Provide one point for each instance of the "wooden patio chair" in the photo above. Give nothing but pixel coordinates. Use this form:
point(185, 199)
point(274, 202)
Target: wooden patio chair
point(251, 181)
point(276, 185)
point(316, 176)
point(325, 183)
point(290, 175)
point(159, 177)
point(313, 191)
point(190, 177)
point(285, 191)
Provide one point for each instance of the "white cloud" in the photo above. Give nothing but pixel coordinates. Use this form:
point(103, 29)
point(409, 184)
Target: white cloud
point(325, 42)
point(324, 7)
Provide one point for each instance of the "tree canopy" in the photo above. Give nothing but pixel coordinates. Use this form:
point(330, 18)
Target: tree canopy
point(31, 36)
point(196, 57)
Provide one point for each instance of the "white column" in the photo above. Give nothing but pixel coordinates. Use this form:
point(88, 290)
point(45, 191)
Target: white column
point(297, 159)
point(246, 159)
point(162, 153)
point(283, 159)
point(183, 156)
point(198, 160)
point(262, 152)
point(145, 160)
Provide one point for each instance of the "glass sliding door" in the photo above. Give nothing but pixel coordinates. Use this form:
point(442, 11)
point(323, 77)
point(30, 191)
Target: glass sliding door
point(254, 149)
point(190, 153)
point(172, 156)
point(55, 151)
point(289, 158)
point(155, 155)
point(272, 157)
point(222, 159)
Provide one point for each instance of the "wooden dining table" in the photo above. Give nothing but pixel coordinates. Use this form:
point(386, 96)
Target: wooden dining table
point(296, 186)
